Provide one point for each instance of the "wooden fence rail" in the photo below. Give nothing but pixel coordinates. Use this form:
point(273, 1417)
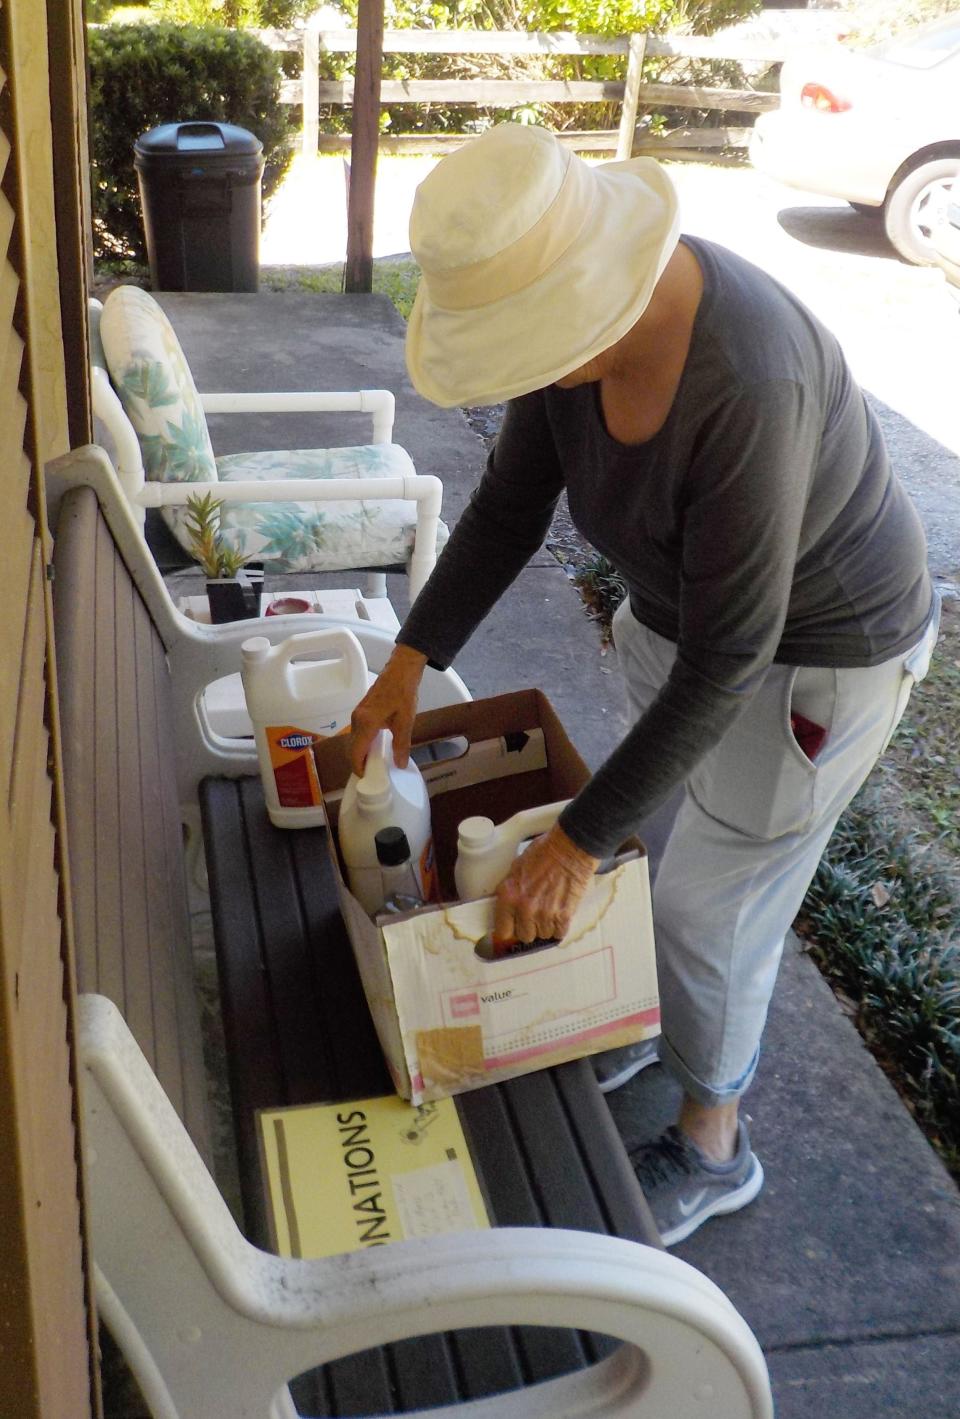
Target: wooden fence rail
point(310, 91)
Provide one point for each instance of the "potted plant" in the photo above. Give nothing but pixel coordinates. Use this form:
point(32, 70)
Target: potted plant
point(233, 585)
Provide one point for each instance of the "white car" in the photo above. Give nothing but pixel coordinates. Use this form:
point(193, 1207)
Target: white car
point(945, 237)
point(879, 127)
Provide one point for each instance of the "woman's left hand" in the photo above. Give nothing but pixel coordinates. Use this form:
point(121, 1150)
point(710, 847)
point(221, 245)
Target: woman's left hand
point(543, 890)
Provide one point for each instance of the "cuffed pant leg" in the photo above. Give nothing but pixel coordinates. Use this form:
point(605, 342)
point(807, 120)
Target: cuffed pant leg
point(742, 849)
point(722, 907)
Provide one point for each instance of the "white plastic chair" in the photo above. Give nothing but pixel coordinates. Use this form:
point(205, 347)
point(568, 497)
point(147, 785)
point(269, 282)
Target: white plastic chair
point(212, 1327)
point(198, 654)
point(422, 494)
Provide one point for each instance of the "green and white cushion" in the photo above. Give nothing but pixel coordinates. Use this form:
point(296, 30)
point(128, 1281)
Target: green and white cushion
point(322, 536)
point(150, 374)
point(153, 380)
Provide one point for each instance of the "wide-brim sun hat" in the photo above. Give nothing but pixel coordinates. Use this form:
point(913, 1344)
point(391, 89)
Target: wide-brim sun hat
point(532, 263)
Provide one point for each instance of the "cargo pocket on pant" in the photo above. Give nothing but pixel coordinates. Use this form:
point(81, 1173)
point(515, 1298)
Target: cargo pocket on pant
point(758, 780)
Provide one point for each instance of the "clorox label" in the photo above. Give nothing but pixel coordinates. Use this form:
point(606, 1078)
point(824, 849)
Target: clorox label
point(294, 771)
point(296, 741)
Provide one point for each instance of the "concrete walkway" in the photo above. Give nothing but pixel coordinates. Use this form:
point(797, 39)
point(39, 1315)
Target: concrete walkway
point(848, 1265)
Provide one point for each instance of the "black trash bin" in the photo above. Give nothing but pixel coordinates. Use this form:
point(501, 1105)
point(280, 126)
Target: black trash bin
point(200, 190)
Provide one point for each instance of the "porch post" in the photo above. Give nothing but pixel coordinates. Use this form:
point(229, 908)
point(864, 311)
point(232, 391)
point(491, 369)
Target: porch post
point(363, 147)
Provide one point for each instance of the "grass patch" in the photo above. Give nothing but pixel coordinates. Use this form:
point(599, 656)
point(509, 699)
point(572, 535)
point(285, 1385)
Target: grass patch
point(884, 928)
point(922, 765)
point(882, 916)
point(396, 279)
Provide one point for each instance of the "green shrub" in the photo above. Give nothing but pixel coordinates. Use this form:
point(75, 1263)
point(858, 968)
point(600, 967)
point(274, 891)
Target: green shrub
point(238, 14)
point(144, 75)
point(606, 17)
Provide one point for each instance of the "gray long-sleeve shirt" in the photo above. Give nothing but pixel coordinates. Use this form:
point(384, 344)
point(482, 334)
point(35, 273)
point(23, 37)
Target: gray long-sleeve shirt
point(761, 523)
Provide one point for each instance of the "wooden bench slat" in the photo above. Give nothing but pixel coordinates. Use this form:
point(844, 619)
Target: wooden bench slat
point(487, 1361)
point(413, 1374)
point(173, 984)
point(624, 1209)
point(564, 1193)
point(110, 976)
point(136, 832)
point(424, 1372)
point(75, 628)
point(287, 946)
point(256, 1080)
point(129, 893)
point(561, 1194)
point(360, 1384)
point(355, 1060)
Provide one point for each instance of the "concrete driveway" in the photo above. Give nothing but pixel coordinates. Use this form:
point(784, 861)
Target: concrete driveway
point(898, 324)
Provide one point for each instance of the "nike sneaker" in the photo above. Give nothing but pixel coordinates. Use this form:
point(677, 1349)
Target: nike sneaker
point(615, 1066)
point(684, 1188)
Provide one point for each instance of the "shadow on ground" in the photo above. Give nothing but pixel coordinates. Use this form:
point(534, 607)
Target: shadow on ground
point(838, 229)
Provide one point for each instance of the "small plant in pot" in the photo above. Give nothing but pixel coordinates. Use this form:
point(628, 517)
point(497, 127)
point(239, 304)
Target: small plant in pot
point(234, 586)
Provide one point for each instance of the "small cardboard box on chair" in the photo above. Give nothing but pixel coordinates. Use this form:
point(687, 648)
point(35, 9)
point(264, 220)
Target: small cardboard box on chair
point(447, 1020)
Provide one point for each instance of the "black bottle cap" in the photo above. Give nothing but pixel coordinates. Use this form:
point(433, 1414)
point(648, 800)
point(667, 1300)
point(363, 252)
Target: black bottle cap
point(392, 847)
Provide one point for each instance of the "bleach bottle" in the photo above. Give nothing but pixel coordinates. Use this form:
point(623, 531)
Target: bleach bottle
point(485, 851)
point(385, 797)
point(294, 701)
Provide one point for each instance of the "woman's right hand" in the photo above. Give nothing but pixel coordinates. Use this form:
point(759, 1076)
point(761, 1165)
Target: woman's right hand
point(390, 703)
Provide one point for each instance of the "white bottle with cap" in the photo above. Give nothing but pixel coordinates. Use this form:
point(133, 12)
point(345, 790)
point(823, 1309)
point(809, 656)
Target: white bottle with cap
point(486, 850)
point(385, 796)
point(300, 690)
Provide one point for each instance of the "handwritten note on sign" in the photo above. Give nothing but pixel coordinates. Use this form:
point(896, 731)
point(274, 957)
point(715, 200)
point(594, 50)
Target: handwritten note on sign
point(343, 1177)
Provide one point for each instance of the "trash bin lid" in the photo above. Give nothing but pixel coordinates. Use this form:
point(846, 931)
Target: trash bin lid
point(192, 139)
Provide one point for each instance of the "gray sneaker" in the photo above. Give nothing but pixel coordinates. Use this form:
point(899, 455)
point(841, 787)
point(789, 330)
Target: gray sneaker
point(615, 1066)
point(684, 1188)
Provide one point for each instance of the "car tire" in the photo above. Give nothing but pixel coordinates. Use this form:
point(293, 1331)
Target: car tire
point(909, 200)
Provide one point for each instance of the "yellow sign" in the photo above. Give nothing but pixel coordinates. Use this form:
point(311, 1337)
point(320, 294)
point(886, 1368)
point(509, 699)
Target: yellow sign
point(343, 1177)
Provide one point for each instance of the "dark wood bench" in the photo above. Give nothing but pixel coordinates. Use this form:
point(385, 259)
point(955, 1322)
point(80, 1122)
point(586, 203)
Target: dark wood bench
point(295, 1020)
point(130, 912)
point(298, 1030)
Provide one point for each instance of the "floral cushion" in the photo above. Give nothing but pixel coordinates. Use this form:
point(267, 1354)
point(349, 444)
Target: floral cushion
point(151, 375)
point(322, 536)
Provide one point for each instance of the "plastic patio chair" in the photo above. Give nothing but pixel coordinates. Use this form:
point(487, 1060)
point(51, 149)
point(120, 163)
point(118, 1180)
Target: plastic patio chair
point(200, 656)
point(212, 1326)
point(301, 510)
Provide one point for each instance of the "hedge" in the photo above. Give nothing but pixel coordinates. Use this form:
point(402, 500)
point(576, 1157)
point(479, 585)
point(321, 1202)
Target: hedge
point(142, 75)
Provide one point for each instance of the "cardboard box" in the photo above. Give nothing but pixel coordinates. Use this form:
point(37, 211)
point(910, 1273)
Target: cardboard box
point(448, 1021)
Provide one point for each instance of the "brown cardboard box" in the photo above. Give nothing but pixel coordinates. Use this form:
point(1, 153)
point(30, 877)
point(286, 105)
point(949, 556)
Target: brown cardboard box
point(447, 1020)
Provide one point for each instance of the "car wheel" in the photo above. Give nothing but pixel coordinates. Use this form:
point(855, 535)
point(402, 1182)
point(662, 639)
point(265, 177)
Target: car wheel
point(913, 205)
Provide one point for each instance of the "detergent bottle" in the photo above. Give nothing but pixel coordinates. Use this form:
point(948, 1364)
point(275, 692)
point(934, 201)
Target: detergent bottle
point(485, 851)
point(385, 797)
point(294, 701)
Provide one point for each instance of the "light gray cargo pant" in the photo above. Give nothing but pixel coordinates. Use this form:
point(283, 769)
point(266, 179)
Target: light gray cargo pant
point(741, 842)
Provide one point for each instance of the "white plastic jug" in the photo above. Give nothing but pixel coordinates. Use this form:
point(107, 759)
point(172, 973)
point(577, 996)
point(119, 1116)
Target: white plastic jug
point(386, 797)
point(293, 701)
point(485, 851)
